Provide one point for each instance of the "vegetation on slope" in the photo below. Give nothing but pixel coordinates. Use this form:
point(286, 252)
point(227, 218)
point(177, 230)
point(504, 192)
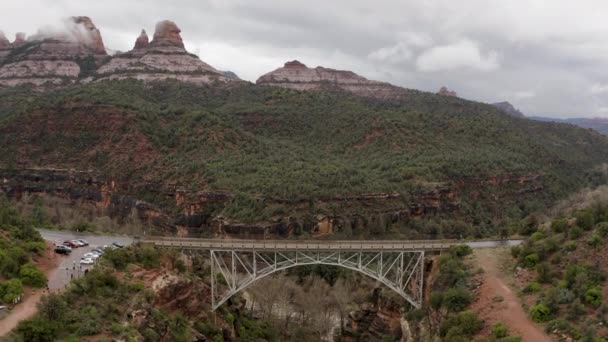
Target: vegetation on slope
point(20, 243)
point(565, 262)
point(272, 145)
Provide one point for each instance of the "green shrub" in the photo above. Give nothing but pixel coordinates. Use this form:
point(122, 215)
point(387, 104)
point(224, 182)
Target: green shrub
point(540, 313)
point(461, 250)
point(575, 232)
point(595, 240)
point(457, 299)
point(593, 297)
point(464, 324)
point(436, 300)
point(30, 275)
point(537, 236)
point(532, 287)
point(585, 219)
point(602, 229)
point(570, 246)
point(544, 273)
point(559, 225)
point(531, 260)
point(10, 290)
point(500, 330)
point(37, 330)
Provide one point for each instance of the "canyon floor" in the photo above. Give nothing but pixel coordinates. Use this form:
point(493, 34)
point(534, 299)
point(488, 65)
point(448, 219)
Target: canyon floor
point(496, 301)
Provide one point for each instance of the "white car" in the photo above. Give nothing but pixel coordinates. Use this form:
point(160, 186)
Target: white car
point(87, 261)
point(91, 256)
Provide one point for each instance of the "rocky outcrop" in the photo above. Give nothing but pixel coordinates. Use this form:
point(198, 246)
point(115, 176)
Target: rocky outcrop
point(444, 91)
point(19, 39)
point(53, 58)
point(163, 58)
point(508, 109)
point(142, 41)
point(4, 43)
point(231, 75)
point(166, 34)
point(77, 54)
point(296, 75)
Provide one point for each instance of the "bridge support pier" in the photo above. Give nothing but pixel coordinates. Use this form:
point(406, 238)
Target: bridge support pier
point(234, 270)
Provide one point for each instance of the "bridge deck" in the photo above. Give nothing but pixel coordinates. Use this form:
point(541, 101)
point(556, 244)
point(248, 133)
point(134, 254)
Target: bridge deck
point(344, 245)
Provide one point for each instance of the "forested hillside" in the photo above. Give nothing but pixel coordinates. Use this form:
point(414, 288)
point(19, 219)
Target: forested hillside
point(233, 153)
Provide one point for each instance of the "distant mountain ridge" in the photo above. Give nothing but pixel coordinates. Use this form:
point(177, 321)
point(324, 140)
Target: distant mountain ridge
point(598, 124)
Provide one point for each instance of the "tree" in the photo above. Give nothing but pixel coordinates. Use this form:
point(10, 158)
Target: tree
point(559, 225)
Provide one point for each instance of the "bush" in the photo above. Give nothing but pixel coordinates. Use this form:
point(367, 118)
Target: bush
point(559, 225)
point(540, 313)
point(30, 275)
point(499, 330)
point(537, 236)
point(602, 229)
point(512, 339)
point(575, 232)
point(531, 260)
point(465, 324)
point(457, 299)
point(585, 219)
point(37, 330)
point(10, 290)
point(593, 297)
point(532, 287)
point(544, 273)
point(595, 240)
point(461, 250)
point(570, 246)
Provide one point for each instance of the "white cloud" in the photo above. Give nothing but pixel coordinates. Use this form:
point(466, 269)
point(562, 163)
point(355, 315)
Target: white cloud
point(462, 54)
point(524, 94)
point(392, 54)
point(598, 88)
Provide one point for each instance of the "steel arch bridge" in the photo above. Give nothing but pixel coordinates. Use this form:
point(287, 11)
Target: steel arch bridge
point(398, 264)
point(233, 271)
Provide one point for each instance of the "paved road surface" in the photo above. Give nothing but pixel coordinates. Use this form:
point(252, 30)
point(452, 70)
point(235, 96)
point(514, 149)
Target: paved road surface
point(70, 264)
point(328, 245)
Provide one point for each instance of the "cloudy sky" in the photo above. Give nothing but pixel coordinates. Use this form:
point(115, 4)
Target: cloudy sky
point(546, 57)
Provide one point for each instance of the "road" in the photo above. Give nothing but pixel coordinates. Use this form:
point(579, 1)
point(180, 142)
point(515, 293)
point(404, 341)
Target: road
point(326, 245)
point(69, 267)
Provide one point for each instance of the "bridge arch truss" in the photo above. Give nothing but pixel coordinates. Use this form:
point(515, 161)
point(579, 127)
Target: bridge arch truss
point(234, 270)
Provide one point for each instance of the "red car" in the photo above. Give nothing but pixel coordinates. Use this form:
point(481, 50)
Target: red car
point(70, 243)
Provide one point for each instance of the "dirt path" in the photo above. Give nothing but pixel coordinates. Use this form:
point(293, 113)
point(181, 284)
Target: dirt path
point(508, 310)
point(28, 307)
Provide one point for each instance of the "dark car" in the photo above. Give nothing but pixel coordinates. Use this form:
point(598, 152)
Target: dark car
point(116, 244)
point(62, 250)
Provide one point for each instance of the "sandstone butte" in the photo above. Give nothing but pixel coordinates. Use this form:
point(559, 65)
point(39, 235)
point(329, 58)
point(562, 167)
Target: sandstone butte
point(447, 92)
point(77, 54)
point(295, 75)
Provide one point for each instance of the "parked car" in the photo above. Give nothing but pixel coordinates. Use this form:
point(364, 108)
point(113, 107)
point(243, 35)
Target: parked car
point(91, 256)
point(63, 249)
point(116, 244)
point(87, 261)
point(98, 251)
point(78, 243)
point(70, 243)
point(83, 242)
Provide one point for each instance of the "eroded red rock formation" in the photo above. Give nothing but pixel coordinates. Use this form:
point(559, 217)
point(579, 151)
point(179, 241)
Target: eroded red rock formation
point(296, 75)
point(19, 39)
point(447, 92)
point(4, 43)
point(142, 41)
point(167, 33)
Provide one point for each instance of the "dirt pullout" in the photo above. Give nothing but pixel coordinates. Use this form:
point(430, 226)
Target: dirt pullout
point(47, 263)
point(497, 302)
